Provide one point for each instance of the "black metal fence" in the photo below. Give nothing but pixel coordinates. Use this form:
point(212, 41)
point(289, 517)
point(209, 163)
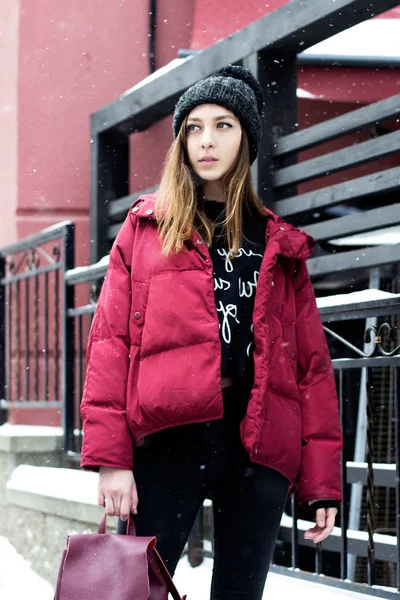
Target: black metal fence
point(36, 345)
point(84, 283)
point(363, 553)
point(369, 396)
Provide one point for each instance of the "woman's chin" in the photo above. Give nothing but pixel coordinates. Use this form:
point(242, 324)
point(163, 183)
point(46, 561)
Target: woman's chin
point(209, 176)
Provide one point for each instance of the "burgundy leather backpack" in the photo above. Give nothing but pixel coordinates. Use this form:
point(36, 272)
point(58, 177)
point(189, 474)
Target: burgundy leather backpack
point(111, 566)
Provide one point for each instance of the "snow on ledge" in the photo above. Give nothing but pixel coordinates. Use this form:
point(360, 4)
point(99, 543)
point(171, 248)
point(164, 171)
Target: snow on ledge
point(10, 430)
point(78, 270)
point(356, 41)
point(54, 482)
point(173, 64)
point(386, 236)
point(378, 466)
point(355, 297)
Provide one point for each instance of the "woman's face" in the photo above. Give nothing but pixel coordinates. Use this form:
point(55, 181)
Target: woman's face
point(215, 132)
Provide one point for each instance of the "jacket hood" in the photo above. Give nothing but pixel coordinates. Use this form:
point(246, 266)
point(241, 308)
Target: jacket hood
point(290, 241)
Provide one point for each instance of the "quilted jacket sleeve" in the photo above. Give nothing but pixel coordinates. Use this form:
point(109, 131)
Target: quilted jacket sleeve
point(322, 439)
point(107, 441)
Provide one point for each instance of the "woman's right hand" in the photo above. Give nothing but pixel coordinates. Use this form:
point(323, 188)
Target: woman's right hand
point(117, 492)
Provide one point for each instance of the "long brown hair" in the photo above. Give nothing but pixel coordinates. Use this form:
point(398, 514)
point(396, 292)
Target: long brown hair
point(178, 210)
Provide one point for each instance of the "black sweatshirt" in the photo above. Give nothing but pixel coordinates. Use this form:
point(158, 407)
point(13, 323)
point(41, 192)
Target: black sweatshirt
point(235, 283)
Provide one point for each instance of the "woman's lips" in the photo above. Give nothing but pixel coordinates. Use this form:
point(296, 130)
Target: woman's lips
point(208, 161)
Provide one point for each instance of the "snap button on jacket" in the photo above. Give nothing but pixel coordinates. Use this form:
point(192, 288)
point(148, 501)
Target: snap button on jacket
point(154, 356)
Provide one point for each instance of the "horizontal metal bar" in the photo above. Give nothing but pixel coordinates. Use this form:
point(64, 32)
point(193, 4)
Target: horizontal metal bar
point(366, 187)
point(366, 220)
point(360, 588)
point(339, 126)
point(376, 362)
point(354, 259)
point(88, 309)
point(96, 271)
point(344, 60)
point(360, 310)
point(37, 239)
point(384, 474)
point(31, 274)
point(339, 160)
point(385, 545)
point(330, 60)
point(293, 28)
point(4, 404)
point(117, 209)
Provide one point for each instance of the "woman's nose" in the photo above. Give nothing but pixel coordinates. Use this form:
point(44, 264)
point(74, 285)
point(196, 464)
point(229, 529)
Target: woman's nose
point(207, 143)
point(207, 140)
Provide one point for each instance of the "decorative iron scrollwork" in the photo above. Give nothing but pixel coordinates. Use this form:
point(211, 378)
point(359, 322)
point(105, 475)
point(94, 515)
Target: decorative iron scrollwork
point(32, 260)
point(384, 334)
point(57, 252)
point(378, 337)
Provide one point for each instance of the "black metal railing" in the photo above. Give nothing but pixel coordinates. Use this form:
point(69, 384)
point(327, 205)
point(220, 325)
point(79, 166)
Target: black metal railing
point(363, 559)
point(83, 283)
point(35, 342)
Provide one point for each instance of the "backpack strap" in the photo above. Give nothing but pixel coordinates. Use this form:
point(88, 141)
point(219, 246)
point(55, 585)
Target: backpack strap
point(167, 577)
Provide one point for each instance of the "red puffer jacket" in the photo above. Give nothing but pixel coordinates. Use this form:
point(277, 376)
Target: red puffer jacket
point(154, 354)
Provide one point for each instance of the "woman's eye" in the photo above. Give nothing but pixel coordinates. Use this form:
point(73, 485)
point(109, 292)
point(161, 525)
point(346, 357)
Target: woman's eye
point(190, 127)
point(227, 125)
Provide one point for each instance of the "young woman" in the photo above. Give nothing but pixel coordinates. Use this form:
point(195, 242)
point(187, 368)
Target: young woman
point(208, 370)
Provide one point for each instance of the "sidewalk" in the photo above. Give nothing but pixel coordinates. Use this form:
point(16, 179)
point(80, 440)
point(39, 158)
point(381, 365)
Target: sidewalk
point(196, 584)
point(18, 582)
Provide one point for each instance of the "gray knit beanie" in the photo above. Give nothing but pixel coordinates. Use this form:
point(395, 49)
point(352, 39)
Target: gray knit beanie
point(236, 89)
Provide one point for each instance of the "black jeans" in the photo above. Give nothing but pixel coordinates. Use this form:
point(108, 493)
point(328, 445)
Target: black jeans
point(178, 468)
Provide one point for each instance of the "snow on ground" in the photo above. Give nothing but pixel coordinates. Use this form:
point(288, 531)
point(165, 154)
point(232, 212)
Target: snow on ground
point(196, 584)
point(18, 582)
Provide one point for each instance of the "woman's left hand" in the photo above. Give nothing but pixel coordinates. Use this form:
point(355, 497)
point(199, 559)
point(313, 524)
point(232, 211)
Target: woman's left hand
point(325, 518)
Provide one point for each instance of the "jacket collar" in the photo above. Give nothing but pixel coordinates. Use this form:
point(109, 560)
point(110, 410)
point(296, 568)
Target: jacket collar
point(286, 239)
point(290, 241)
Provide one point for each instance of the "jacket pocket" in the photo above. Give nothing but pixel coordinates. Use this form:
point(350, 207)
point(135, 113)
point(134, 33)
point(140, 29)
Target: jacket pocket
point(290, 345)
point(140, 292)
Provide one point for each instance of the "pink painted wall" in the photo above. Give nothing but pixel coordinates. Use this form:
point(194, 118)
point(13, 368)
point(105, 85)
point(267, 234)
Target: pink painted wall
point(9, 42)
point(215, 20)
point(391, 14)
point(349, 85)
point(175, 22)
point(74, 58)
